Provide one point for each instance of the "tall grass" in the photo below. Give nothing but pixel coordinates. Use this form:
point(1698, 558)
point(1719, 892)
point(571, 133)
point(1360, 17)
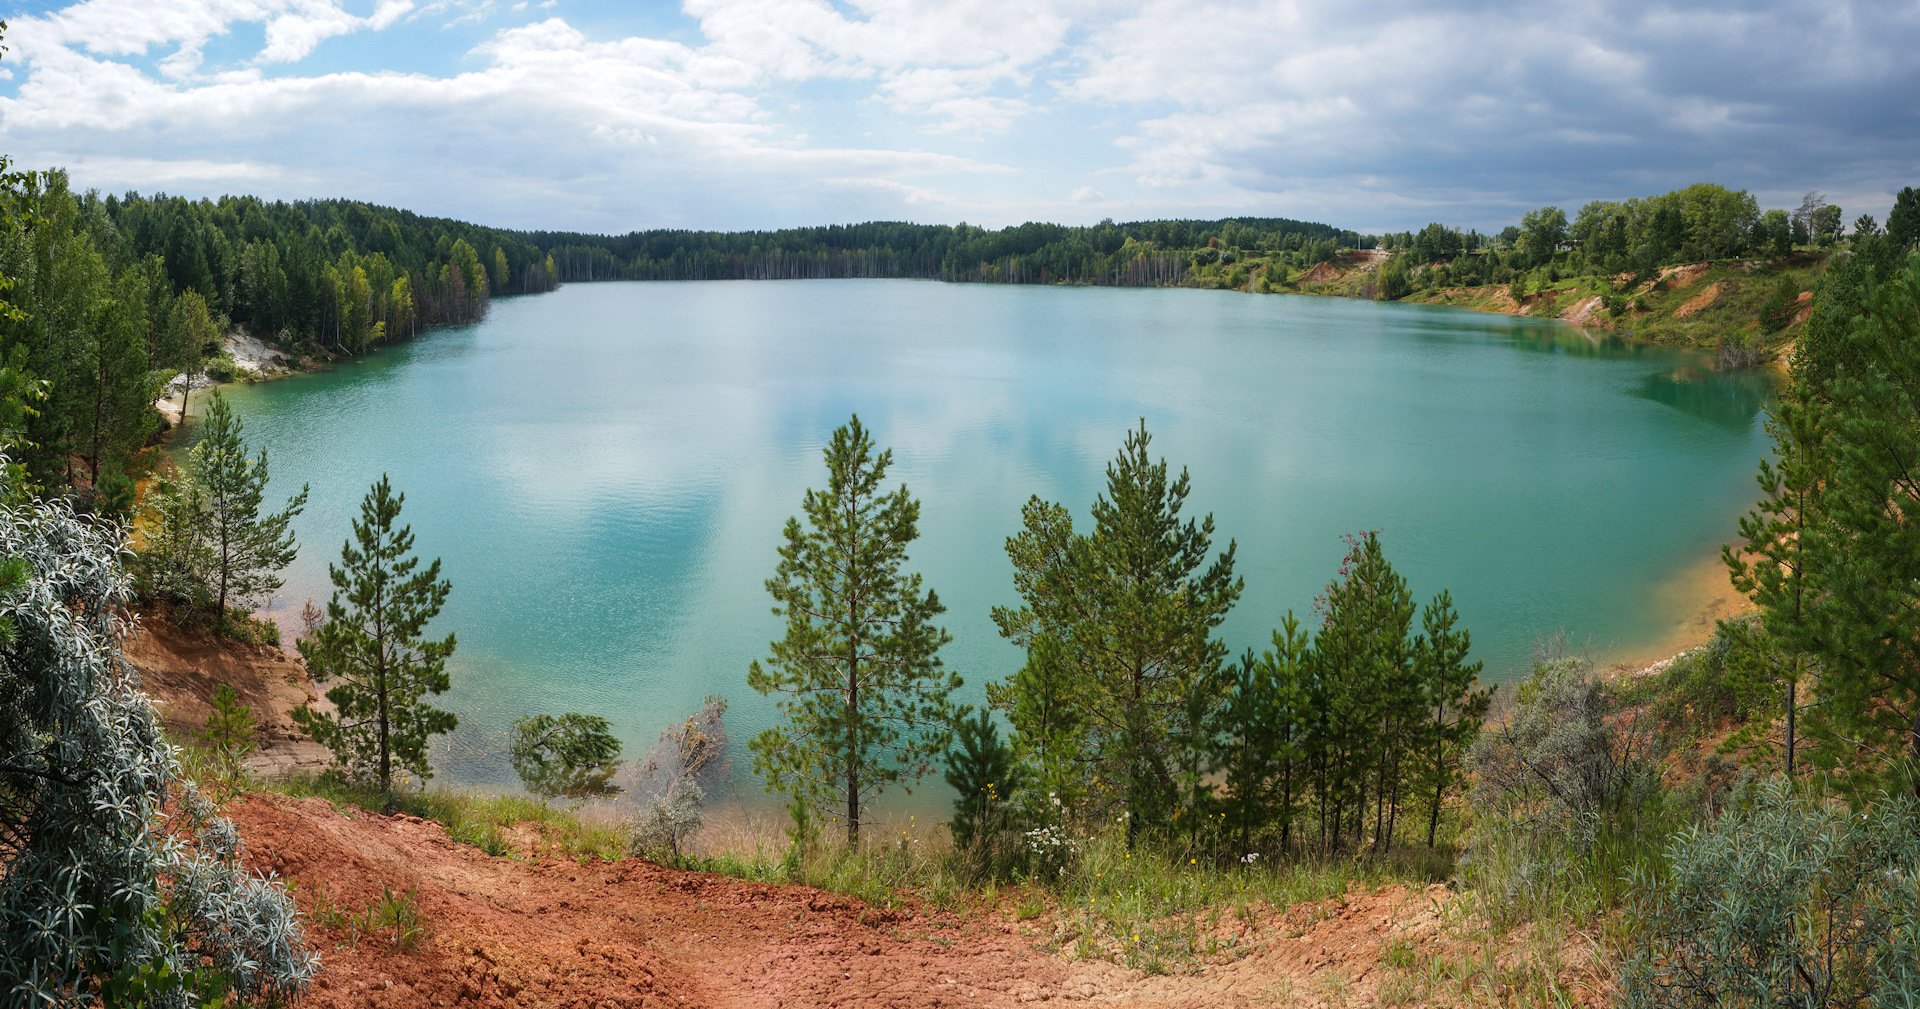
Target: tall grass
point(477, 818)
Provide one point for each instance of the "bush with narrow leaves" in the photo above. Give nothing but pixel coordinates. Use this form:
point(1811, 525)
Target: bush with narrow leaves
point(1787, 901)
point(117, 883)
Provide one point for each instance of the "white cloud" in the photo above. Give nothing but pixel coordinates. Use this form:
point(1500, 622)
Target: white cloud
point(787, 111)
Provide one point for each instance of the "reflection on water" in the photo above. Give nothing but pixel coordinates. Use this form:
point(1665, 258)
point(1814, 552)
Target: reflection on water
point(1729, 399)
point(605, 470)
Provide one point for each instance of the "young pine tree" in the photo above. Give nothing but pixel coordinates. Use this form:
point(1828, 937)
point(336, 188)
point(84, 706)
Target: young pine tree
point(1361, 654)
point(858, 678)
point(1261, 749)
point(245, 549)
point(1128, 611)
point(1453, 699)
point(373, 650)
point(1772, 568)
point(986, 782)
point(1044, 700)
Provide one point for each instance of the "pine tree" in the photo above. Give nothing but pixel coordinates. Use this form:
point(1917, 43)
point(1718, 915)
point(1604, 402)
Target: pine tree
point(1044, 700)
point(1866, 548)
point(246, 549)
point(986, 782)
point(858, 678)
point(1129, 609)
point(372, 649)
point(1452, 697)
point(1262, 750)
point(1772, 569)
point(1362, 656)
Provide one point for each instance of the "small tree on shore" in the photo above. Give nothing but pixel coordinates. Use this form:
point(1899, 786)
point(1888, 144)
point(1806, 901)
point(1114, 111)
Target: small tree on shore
point(373, 650)
point(858, 676)
point(247, 549)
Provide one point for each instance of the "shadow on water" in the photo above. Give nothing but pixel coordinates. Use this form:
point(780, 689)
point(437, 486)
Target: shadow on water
point(1726, 399)
point(1567, 341)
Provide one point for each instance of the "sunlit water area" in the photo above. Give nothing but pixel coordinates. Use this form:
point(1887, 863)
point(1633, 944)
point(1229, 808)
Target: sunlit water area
point(605, 470)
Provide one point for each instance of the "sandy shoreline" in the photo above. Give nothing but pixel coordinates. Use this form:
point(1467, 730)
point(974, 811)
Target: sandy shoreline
point(1696, 599)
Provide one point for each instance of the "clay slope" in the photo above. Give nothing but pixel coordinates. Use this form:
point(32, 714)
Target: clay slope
point(540, 931)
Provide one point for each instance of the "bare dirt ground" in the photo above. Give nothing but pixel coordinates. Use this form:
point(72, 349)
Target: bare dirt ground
point(180, 670)
point(540, 931)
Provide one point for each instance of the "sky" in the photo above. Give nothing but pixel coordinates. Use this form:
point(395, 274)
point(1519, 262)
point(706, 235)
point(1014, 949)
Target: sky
point(615, 115)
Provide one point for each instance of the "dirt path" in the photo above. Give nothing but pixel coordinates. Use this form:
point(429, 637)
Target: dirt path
point(541, 931)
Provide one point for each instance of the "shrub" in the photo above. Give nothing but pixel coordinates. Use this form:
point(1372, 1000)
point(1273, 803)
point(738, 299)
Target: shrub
point(661, 833)
point(1786, 902)
point(670, 779)
point(1559, 763)
point(1565, 799)
point(228, 734)
point(986, 783)
point(109, 891)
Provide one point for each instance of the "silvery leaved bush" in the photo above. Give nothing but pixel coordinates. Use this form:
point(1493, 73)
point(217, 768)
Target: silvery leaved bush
point(118, 884)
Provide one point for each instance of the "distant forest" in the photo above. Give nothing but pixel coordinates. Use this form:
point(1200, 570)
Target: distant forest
point(105, 299)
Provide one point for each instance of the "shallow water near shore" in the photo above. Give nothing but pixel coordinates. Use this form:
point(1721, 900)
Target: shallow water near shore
point(605, 470)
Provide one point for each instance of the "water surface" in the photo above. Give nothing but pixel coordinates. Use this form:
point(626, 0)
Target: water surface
point(605, 470)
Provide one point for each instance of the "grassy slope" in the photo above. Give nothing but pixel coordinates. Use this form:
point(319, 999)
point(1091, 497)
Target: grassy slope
point(1656, 310)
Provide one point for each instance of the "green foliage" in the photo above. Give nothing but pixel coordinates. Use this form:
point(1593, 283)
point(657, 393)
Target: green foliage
point(572, 755)
point(394, 917)
point(1541, 234)
point(1772, 565)
point(1453, 700)
point(108, 889)
point(229, 732)
point(372, 649)
point(1118, 624)
point(865, 700)
point(1558, 762)
point(471, 818)
point(244, 548)
point(1903, 223)
point(987, 785)
point(1783, 302)
point(172, 563)
point(1783, 902)
point(1262, 751)
point(1865, 550)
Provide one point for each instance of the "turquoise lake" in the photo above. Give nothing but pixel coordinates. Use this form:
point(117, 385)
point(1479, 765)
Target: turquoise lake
point(605, 470)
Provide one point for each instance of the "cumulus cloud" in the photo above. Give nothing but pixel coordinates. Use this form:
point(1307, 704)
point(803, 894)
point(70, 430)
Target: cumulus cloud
point(768, 112)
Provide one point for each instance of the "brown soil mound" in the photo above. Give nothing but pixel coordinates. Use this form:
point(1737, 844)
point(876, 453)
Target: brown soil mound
point(542, 932)
point(1679, 278)
point(1699, 302)
point(180, 669)
point(1585, 313)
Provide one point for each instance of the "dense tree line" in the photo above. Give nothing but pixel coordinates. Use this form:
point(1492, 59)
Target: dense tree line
point(1633, 238)
point(1136, 254)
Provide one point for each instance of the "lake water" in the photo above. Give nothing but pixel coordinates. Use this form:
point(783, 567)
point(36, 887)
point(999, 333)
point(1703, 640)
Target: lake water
point(605, 470)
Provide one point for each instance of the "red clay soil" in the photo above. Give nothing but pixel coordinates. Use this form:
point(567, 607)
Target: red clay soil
point(180, 669)
point(546, 932)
